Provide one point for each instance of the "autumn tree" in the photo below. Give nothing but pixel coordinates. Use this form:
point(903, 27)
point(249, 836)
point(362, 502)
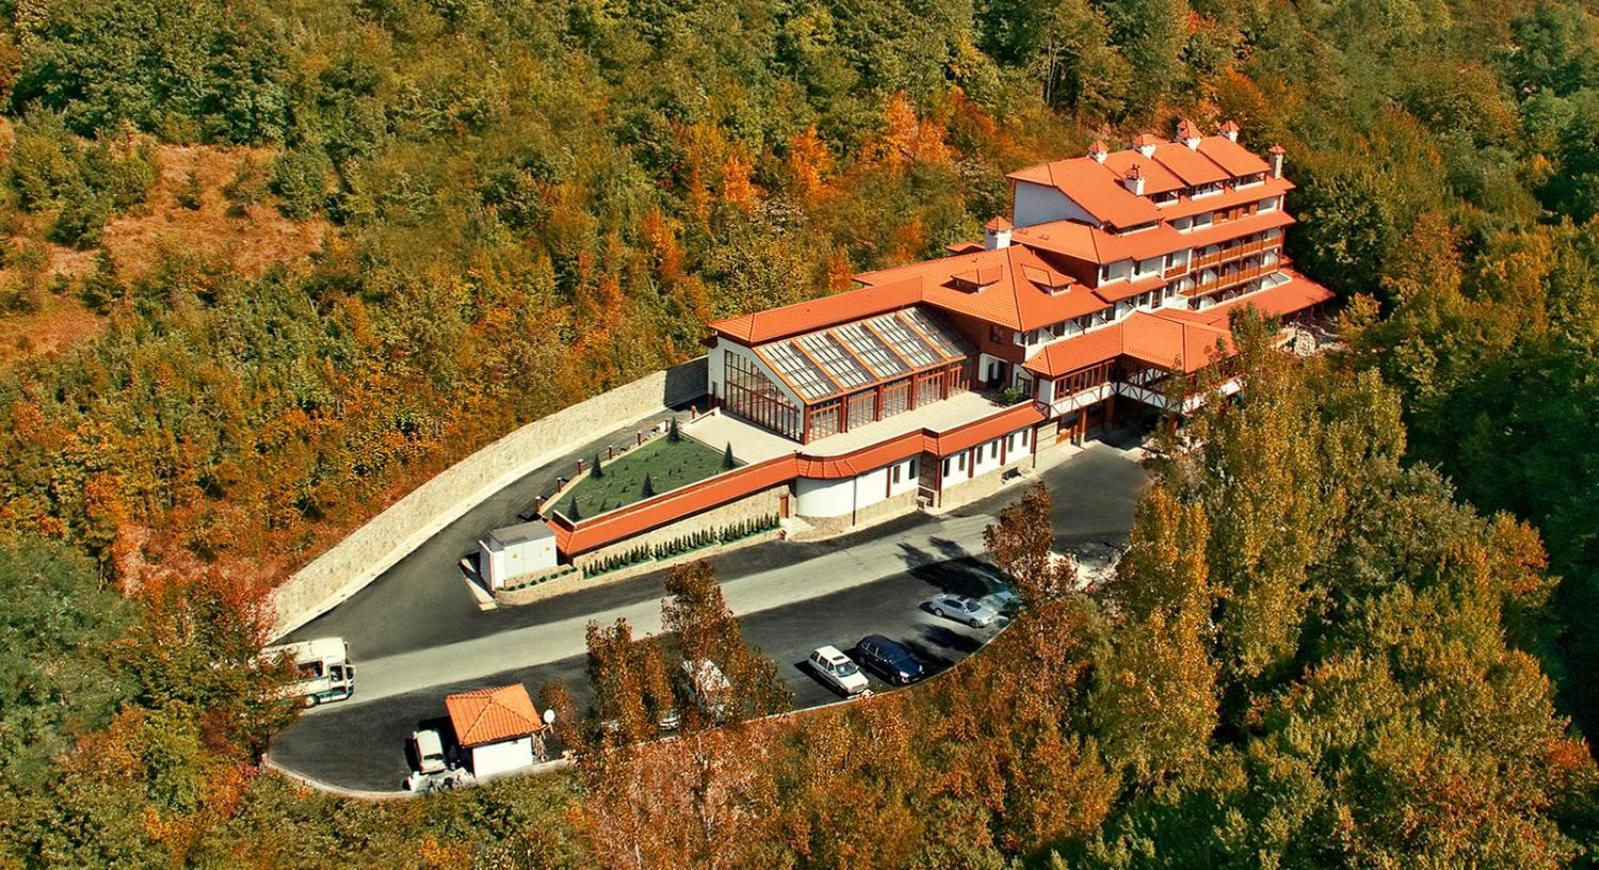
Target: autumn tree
point(1022, 544)
point(705, 628)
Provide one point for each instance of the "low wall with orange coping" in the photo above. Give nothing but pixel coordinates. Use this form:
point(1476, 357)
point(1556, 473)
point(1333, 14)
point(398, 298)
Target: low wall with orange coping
point(584, 536)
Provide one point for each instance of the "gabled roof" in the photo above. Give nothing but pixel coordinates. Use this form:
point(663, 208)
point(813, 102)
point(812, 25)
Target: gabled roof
point(1151, 337)
point(1094, 188)
point(1231, 156)
point(775, 323)
point(1191, 166)
point(1172, 343)
point(1157, 178)
point(492, 715)
point(1017, 288)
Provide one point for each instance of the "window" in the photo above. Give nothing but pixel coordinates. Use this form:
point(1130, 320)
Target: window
point(996, 334)
point(823, 418)
point(1023, 433)
point(1058, 330)
point(1083, 379)
point(911, 469)
point(753, 396)
point(896, 474)
point(1202, 220)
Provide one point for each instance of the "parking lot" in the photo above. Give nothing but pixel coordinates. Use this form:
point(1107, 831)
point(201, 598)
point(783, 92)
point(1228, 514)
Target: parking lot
point(883, 576)
point(320, 743)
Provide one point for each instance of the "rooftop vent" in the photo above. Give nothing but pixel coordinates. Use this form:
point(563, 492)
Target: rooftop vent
point(1146, 144)
point(1230, 130)
point(1098, 151)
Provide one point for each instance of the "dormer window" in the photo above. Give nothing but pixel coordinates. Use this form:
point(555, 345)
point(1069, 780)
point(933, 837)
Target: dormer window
point(1166, 198)
point(1247, 180)
point(973, 280)
point(1205, 190)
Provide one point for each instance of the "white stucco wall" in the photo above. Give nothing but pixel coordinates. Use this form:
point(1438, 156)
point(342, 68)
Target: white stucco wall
point(986, 457)
point(823, 498)
point(493, 758)
point(909, 471)
point(1037, 204)
point(519, 559)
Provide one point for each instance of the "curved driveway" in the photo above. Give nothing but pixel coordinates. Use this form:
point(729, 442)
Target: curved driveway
point(790, 597)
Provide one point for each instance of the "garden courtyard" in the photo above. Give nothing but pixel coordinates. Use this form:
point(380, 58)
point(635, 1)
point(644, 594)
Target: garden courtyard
point(667, 463)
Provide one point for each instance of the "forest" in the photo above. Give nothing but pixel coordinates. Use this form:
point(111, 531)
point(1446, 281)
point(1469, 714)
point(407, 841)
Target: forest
point(269, 264)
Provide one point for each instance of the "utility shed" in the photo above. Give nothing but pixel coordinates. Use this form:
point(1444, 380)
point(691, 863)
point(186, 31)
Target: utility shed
point(515, 551)
point(497, 729)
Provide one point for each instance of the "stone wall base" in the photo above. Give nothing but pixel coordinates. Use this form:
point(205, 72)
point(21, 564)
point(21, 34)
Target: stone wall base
point(871, 515)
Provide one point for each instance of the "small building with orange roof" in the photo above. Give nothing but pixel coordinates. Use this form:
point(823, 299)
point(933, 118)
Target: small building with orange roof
point(498, 730)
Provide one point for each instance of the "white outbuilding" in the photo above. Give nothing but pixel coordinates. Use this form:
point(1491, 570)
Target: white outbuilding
point(497, 729)
point(516, 551)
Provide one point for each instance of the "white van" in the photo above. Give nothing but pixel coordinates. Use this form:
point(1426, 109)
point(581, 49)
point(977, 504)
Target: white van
point(322, 669)
point(709, 688)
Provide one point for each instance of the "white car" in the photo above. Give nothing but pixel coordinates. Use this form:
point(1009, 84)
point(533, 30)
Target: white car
point(429, 752)
point(836, 668)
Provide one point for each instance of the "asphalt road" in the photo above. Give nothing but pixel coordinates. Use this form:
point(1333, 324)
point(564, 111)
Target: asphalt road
point(423, 599)
point(791, 598)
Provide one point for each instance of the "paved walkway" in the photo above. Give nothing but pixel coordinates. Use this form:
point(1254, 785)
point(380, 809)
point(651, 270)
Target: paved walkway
point(1095, 493)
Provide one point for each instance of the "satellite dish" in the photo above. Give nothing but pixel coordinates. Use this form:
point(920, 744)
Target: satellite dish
point(549, 716)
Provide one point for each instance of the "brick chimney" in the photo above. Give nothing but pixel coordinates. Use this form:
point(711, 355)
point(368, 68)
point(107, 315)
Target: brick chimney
point(1134, 180)
point(996, 234)
point(1230, 130)
point(1277, 153)
point(1098, 151)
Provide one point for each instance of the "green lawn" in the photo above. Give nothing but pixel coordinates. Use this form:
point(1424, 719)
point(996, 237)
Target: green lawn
point(669, 465)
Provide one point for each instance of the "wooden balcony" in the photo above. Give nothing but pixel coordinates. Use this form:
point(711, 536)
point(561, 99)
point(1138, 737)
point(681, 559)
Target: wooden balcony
point(1233, 278)
point(1233, 252)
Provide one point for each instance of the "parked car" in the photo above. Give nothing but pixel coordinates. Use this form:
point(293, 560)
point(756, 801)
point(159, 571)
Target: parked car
point(963, 609)
point(888, 658)
point(430, 756)
point(836, 668)
point(1003, 600)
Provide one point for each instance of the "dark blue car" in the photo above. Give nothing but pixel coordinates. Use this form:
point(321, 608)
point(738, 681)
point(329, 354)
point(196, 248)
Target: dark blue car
point(888, 658)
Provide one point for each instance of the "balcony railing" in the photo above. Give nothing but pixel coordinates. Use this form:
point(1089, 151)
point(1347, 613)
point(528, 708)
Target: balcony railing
point(1231, 252)
point(1232, 279)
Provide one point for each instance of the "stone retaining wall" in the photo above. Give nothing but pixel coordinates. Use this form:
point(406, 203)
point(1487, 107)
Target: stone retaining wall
point(367, 552)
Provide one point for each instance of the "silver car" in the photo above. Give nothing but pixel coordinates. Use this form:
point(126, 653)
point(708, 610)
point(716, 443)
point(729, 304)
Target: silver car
point(960, 608)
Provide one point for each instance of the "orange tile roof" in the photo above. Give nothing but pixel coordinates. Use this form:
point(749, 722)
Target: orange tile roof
point(1191, 166)
point(1072, 354)
point(1016, 287)
point(775, 323)
point(1157, 178)
point(492, 715)
point(1155, 337)
point(1231, 156)
point(1172, 343)
point(1096, 190)
point(1296, 295)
